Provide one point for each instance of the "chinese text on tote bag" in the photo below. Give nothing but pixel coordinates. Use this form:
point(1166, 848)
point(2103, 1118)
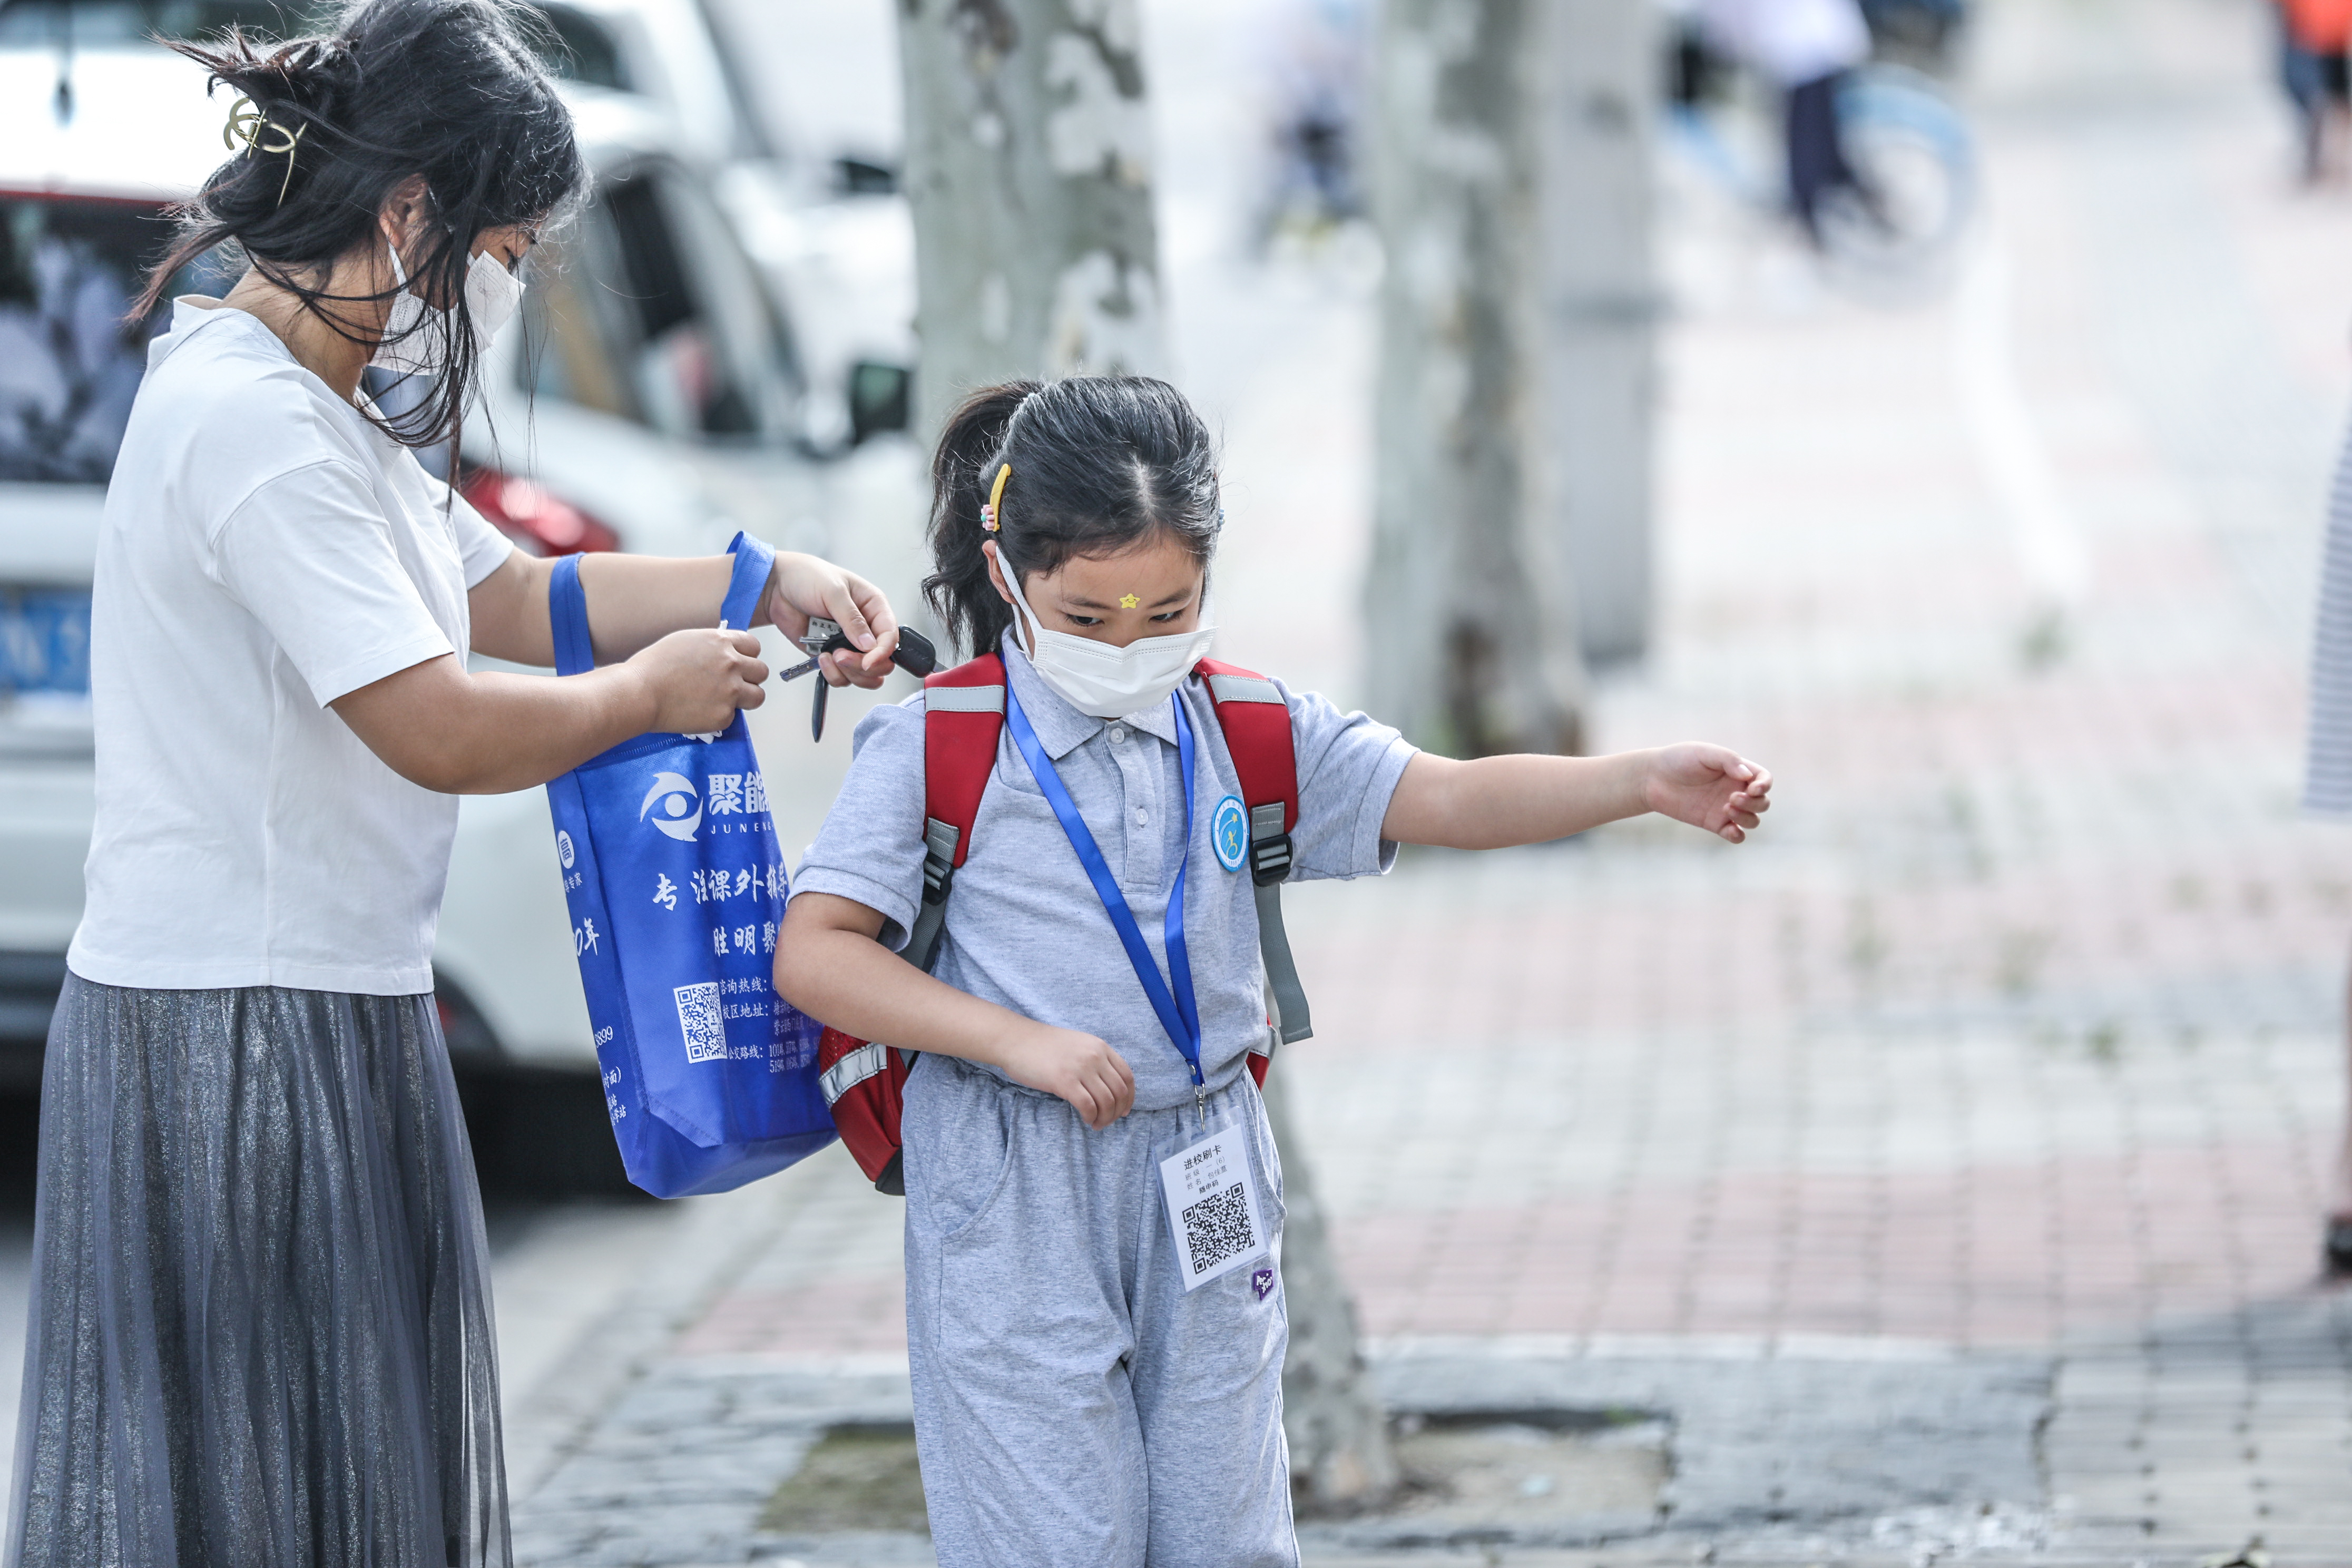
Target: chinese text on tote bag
point(676, 889)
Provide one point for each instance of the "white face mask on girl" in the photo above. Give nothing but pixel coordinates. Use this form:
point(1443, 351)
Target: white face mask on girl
point(1106, 682)
point(413, 345)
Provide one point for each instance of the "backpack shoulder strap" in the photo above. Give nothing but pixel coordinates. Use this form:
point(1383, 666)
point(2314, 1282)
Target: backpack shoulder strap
point(963, 714)
point(1256, 725)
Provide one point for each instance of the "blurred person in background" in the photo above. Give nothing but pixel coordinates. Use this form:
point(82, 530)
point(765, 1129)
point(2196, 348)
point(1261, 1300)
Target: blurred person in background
point(260, 1331)
point(1805, 47)
point(1316, 58)
point(2313, 37)
point(67, 370)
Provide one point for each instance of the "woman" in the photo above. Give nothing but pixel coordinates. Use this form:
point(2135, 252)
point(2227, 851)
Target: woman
point(261, 1334)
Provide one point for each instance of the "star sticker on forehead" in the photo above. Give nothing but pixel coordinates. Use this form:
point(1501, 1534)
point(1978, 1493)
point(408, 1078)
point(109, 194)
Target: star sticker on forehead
point(1128, 601)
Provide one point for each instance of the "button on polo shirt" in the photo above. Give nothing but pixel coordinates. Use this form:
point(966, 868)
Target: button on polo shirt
point(1024, 927)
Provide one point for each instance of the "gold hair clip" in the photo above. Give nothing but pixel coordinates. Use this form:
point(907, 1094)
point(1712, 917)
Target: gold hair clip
point(990, 517)
point(247, 124)
point(1129, 600)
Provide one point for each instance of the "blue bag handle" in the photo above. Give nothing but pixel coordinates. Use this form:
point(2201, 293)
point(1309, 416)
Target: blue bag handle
point(567, 615)
point(754, 560)
point(567, 602)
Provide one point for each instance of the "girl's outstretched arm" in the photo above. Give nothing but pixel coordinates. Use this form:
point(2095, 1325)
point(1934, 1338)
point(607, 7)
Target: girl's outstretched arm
point(1500, 801)
point(831, 966)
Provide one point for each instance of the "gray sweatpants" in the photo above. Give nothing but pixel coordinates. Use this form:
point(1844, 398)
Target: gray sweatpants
point(1074, 1404)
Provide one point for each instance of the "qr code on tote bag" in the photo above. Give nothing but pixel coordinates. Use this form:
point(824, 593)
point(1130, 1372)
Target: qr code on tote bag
point(699, 1018)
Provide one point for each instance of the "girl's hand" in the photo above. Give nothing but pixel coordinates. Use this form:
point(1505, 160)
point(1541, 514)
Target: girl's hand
point(1707, 787)
point(1081, 1069)
point(801, 586)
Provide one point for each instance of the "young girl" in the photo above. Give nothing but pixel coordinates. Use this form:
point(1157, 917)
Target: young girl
point(1074, 1402)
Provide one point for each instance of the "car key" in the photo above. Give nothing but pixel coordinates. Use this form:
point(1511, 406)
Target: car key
point(914, 654)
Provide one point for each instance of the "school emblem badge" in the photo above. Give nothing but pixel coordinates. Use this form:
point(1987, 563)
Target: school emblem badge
point(1229, 831)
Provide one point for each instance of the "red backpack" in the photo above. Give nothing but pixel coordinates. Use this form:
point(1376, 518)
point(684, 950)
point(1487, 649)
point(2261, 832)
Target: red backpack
point(963, 714)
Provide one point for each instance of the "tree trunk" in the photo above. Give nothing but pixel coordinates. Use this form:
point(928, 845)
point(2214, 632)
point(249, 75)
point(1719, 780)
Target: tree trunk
point(1029, 170)
point(1475, 649)
point(1340, 1457)
point(1595, 110)
point(1028, 165)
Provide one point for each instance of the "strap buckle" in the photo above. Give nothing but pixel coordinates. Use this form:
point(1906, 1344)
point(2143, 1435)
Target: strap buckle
point(939, 860)
point(1270, 853)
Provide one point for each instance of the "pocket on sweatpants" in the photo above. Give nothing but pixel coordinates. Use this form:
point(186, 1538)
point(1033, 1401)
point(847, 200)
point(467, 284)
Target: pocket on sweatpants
point(958, 1145)
point(1269, 1163)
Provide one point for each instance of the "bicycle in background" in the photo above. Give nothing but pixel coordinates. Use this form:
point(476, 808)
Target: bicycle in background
point(1889, 227)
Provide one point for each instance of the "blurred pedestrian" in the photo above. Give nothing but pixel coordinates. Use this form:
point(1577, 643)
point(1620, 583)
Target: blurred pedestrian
point(1805, 47)
point(260, 1329)
point(1314, 55)
point(1097, 1380)
point(2313, 37)
point(2327, 787)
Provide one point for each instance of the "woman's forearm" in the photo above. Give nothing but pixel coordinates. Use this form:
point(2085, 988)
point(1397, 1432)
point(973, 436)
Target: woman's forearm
point(634, 601)
point(447, 728)
point(1496, 801)
point(466, 733)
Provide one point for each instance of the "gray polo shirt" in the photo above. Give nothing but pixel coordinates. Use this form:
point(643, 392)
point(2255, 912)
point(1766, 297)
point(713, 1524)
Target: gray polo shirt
point(1024, 927)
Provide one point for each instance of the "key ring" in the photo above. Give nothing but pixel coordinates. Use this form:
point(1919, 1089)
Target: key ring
point(914, 654)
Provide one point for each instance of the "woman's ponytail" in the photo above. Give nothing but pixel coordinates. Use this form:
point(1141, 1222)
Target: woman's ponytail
point(971, 448)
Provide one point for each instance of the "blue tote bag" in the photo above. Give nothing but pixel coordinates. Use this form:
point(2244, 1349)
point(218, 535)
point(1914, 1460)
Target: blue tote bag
point(677, 890)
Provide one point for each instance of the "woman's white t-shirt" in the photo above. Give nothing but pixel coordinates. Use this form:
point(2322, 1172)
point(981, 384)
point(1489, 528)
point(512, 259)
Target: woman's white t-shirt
point(265, 550)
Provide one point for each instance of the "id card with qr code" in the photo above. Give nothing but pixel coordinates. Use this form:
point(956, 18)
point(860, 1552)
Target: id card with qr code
point(1212, 1208)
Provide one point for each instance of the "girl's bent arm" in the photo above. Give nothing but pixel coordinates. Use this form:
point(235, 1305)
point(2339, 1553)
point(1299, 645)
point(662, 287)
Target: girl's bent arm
point(1494, 802)
point(831, 965)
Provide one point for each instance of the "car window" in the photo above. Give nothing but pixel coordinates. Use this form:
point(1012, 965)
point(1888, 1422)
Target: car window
point(644, 310)
point(69, 364)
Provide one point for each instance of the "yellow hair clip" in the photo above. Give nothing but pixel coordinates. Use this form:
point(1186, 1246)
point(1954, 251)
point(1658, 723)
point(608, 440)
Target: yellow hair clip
point(991, 517)
point(247, 124)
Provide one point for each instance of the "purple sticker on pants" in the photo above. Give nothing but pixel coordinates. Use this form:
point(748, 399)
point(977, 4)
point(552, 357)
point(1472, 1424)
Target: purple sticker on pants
point(1262, 1282)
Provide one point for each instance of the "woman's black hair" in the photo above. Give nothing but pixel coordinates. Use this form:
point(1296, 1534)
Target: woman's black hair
point(450, 90)
point(1099, 463)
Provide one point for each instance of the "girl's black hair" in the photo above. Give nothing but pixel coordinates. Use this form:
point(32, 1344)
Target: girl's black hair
point(448, 90)
point(1099, 463)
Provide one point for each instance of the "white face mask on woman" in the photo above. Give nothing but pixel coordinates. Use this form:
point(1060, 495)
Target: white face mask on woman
point(1106, 682)
point(413, 345)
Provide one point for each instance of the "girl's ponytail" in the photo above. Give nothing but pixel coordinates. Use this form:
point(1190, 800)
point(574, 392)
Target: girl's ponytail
point(970, 446)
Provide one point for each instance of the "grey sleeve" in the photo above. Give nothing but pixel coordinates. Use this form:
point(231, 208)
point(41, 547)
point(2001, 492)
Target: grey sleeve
point(1349, 765)
point(870, 849)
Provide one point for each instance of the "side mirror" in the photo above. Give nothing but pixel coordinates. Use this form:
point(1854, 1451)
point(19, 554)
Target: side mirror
point(878, 398)
point(855, 176)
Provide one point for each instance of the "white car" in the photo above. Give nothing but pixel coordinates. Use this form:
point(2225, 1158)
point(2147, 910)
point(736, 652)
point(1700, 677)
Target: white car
point(663, 415)
point(827, 225)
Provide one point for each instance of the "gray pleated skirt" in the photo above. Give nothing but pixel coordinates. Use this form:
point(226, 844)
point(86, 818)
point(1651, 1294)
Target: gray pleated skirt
point(260, 1331)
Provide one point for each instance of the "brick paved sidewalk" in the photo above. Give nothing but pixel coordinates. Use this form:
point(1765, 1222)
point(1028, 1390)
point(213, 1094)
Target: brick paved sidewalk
point(1959, 1145)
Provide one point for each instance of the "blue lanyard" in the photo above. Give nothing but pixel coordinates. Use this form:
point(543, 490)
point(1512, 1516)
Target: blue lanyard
point(1178, 1014)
